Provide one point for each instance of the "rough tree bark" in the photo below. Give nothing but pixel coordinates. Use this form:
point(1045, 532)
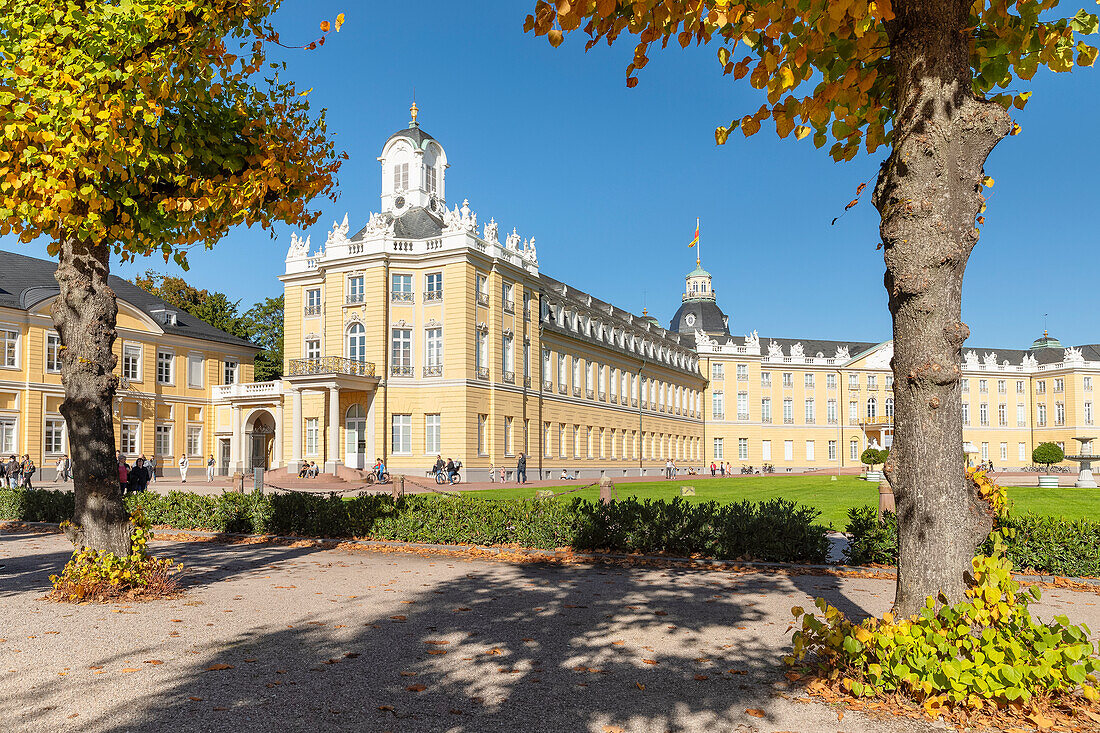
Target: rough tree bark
point(929, 195)
point(84, 315)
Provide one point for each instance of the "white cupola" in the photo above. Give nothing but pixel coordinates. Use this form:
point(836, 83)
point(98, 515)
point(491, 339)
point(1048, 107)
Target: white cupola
point(413, 171)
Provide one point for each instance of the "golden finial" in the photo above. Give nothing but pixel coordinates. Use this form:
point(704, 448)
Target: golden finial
point(645, 312)
point(413, 111)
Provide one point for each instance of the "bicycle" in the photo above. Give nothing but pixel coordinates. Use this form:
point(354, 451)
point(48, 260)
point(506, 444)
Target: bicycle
point(441, 478)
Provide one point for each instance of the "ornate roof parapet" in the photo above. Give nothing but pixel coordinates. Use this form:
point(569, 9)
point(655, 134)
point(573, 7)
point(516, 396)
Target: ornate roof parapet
point(990, 359)
point(970, 360)
point(1030, 362)
point(1073, 355)
point(842, 353)
point(490, 234)
point(775, 351)
point(797, 351)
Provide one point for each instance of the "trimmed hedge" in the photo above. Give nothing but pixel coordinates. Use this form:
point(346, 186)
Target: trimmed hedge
point(775, 530)
point(1040, 543)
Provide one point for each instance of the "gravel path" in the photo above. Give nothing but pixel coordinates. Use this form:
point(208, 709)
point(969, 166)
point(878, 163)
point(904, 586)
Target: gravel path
point(277, 638)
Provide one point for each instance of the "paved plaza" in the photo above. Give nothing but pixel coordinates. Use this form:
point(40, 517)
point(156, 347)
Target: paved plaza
point(275, 637)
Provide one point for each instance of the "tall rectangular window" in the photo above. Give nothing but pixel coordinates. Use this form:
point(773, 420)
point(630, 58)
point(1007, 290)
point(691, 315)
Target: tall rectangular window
point(718, 406)
point(1019, 386)
point(1059, 413)
point(508, 448)
point(131, 362)
point(983, 386)
point(313, 301)
point(401, 352)
point(985, 451)
point(54, 435)
point(1002, 386)
point(401, 434)
point(853, 381)
point(853, 449)
point(832, 450)
point(718, 449)
point(164, 367)
point(1041, 416)
point(194, 370)
point(313, 437)
point(433, 425)
point(507, 296)
point(811, 414)
point(547, 448)
point(53, 352)
point(561, 373)
point(401, 287)
point(766, 410)
point(576, 375)
point(742, 405)
point(1021, 415)
point(1041, 387)
point(482, 435)
point(162, 440)
point(1059, 384)
point(765, 379)
point(742, 372)
point(1002, 414)
point(830, 380)
point(481, 355)
point(508, 356)
point(429, 178)
point(966, 413)
point(433, 286)
point(765, 450)
point(1087, 384)
point(194, 440)
point(1088, 413)
point(830, 412)
point(356, 291)
point(788, 450)
point(810, 450)
point(229, 371)
point(1021, 451)
point(717, 371)
point(128, 434)
point(872, 381)
point(742, 449)
point(313, 348)
point(1004, 451)
point(809, 380)
point(433, 348)
point(788, 411)
point(853, 412)
point(561, 440)
point(788, 379)
point(9, 348)
point(401, 177)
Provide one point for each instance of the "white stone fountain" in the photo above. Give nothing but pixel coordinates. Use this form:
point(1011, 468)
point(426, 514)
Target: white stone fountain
point(1084, 478)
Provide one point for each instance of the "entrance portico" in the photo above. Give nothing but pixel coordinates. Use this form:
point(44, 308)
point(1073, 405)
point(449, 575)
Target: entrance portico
point(252, 436)
point(333, 376)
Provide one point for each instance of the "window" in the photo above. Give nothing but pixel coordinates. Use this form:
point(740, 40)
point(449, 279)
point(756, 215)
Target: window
point(53, 352)
point(808, 380)
point(164, 367)
point(194, 440)
point(402, 434)
point(1041, 387)
point(719, 453)
point(1041, 417)
point(890, 407)
point(229, 373)
point(788, 379)
point(430, 178)
point(508, 297)
point(313, 438)
point(508, 357)
point(482, 435)
point(7, 436)
point(433, 286)
point(1088, 384)
point(810, 450)
point(432, 428)
point(479, 290)
point(576, 441)
point(401, 177)
point(830, 412)
point(401, 352)
point(889, 381)
point(853, 412)
point(1059, 384)
point(576, 375)
point(1002, 415)
point(832, 450)
point(766, 410)
point(985, 451)
point(131, 362)
point(561, 440)
point(1021, 451)
point(872, 408)
point(356, 292)
point(742, 372)
point(742, 449)
point(128, 435)
point(983, 414)
point(433, 350)
point(966, 413)
point(853, 449)
point(872, 381)
point(614, 383)
point(55, 436)
point(830, 381)
point(313, 348)
point(9, 348)
point(1019, 386)
point(788, 450)
point(194, 370)
point(983, 385)
point(965, 386)
point(1002, 386)
point(742, 405)
point(788, 411)
point(401, 288)
point(718, 406)
point(508, 437)
point(811, 416)
point(853, 381)
point(1021, 416)
point(1059, 413)
point(1004, 451)
point(162, 440)
point(588, 442)
point(313, 301)
point(765, 379)
point(765, 450)
point(546, 437)
point(1088, 413)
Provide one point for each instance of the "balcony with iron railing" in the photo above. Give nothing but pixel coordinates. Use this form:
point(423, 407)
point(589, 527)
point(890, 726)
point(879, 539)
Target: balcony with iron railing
point(527, 313)
point(527, 382)
point(633, 402)
point(312, 310)
point(433, 296)
point(509, 377)
point(400, 296)
point(401, 370)
point(483, 299)
point(330, 365)
point(434, 370)
point(767, 419)
point(509, 306)
point(576, 391)
point(588, 393)
point(483, 372)
point(547, 385)
point(355, 298)
point(788, 421)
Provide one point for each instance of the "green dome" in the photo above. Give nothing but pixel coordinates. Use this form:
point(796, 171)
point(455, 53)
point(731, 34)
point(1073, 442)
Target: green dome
point(1046, 342)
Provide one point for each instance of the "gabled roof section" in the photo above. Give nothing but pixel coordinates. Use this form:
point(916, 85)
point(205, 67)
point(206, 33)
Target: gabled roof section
point(26, 281)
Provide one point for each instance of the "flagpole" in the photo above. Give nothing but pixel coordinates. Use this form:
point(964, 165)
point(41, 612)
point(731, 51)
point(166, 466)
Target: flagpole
point(698, 245)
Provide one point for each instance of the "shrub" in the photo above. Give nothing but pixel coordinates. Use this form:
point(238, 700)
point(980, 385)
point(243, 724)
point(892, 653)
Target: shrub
point(871, 541)
point(1047, 454)
point(869, 457)
point(1054, 545)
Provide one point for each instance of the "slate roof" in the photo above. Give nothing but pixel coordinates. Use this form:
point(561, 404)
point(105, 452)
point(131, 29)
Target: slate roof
point(415, 134)
point(416, 223)
point(708, 317)
point(26, 281)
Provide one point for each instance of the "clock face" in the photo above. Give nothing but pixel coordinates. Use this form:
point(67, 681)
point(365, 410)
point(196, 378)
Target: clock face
point(690, 319)
point(399, 202)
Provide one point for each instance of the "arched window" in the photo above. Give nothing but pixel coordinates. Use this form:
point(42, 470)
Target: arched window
point(357, 342)
point(872, 408)
point(889, 407)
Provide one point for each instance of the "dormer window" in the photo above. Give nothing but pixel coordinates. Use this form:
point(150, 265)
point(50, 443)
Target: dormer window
point(401, 177)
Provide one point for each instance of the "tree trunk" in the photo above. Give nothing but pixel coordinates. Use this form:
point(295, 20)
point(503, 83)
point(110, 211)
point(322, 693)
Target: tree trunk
point(84, 315)
point(929, 194)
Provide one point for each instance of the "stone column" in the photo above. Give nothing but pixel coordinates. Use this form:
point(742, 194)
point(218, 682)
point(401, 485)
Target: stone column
point(296, 432)
point(333, 457)
point(277, 457)
point(235, 453)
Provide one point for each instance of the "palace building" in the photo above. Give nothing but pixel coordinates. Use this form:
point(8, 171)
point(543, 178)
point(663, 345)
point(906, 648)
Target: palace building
point(426, 333)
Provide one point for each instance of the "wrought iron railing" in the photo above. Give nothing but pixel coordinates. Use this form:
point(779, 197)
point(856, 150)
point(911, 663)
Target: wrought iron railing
point(399, 296)
point(510, 377)
point(330, 365)
point(312, 310)
point(433, 371)
point(483, 372)
point(483, 299)
point(398, 370)
point(354, 298)
point(509, 307)
point(433, 296)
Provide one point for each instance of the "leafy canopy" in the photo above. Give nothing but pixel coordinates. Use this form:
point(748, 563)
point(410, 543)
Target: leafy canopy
point(824, 64)
point(1046, 454)
point(146, 124)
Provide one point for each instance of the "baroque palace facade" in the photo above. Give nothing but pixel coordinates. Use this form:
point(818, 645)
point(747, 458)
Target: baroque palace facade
point(425, 334)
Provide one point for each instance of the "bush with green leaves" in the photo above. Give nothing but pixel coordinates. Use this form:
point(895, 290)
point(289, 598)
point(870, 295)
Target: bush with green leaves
point(871, 542)
point(1047, 454)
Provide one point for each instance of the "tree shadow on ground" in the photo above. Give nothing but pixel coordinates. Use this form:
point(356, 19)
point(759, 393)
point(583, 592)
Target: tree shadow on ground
point(390, 642)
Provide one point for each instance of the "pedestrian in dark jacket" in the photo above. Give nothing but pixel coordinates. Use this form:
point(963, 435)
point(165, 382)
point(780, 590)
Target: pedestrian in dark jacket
point(27, 468)
point(139, 476)
point(521, 468)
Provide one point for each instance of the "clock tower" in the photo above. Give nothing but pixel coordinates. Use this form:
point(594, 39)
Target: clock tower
point(413, 171)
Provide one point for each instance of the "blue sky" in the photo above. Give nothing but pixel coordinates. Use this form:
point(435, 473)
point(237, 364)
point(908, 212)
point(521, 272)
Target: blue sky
point(610, 180)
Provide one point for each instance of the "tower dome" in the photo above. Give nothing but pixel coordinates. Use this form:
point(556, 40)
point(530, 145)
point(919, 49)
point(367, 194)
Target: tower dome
point(699, 309)
point(414, 168)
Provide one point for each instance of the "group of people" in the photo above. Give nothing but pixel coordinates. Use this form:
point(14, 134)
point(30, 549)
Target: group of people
point(132, 479)
point(500, 473)
point(720, 469)
point(448, 468)
point(308, 470)
point(16, 473)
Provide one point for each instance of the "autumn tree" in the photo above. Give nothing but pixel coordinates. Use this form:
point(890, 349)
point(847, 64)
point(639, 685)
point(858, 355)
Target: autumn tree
point(150, 126)
point(933, 82)
point(213, 307)
point(265, 324)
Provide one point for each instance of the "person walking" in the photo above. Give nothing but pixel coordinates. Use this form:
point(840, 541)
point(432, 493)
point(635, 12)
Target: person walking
point(668, 468)
point(123, 477)
point(151, 465)
point(139, 476)
point(713, 468)
point(27, 468)
point(59, 475)
point(184, 465)
point(13, 473)
point(521, 468)
point(210, 465)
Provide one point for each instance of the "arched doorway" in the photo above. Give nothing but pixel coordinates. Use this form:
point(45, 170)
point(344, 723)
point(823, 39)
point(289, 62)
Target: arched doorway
point(355, 435)
point(259, 440)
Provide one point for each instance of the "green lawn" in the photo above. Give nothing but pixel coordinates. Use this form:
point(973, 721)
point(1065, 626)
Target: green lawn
point(833, 498)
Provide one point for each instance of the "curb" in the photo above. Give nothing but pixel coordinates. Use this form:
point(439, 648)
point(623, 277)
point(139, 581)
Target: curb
point(560, 554)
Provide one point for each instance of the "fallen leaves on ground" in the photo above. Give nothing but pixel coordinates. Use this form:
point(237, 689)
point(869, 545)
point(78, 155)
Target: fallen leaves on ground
point(755, 712)
point(650, 661)
point(416, 688)
point(218, 667)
